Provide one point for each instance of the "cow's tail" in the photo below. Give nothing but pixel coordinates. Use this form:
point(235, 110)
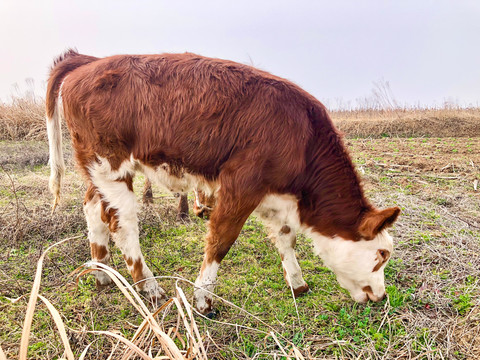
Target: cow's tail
point(64, 64)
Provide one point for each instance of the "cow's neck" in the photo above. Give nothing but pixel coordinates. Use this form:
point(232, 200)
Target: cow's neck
point(331, 201)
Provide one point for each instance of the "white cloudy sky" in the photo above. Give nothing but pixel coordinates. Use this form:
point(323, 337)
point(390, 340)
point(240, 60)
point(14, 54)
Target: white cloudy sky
point(428, 50)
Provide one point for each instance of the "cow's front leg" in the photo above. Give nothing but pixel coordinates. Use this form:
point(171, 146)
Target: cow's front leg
point(235, 202)
point(204, 284)
point(285, 240)
point(221, 236)
point(275, 215)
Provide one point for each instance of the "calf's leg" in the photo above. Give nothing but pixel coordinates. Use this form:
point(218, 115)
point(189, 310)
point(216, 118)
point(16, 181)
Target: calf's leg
point(147, 192)
point(284, 238)
point(182, 209)
point(203, 204)
point(98, 234)
point(276, 214)
point(223, 231)
point(119, 212)
point(236, 199)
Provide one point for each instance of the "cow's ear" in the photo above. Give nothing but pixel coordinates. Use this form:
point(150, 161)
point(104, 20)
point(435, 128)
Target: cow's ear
point(375, 221)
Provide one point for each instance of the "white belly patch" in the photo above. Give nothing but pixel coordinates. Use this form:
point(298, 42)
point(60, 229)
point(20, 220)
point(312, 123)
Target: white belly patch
point(177, 180)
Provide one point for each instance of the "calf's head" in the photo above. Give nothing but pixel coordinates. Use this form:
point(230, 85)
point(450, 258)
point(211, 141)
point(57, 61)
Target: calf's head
point(359, 265)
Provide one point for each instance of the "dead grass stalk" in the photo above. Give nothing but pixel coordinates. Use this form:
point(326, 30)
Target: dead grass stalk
point(23, 118)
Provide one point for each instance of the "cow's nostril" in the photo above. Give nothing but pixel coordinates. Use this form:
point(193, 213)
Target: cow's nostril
point(368, 290)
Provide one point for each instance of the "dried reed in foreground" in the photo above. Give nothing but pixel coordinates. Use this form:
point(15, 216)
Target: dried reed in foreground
point(149, 331)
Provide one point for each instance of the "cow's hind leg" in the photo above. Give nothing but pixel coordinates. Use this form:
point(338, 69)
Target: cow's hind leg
point(147, 192)
point(119, 212)
point(182, 210)
point(98, 234)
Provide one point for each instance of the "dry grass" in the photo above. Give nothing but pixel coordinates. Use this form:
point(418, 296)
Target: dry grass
point(22, 119)
point(444, 122)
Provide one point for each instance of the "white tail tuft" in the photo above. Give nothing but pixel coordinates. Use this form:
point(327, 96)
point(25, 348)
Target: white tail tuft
point(57, 164)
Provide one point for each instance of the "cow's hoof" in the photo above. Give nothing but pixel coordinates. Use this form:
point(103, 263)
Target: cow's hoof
point(212, 314)
point(99, 286)
point(198, 211)
point(203, 303)
point(183, 218)
point(156, 301)
point(102, 280)
point(202, 212)
point(147, 200)
point(154, 293)
point(302, 290)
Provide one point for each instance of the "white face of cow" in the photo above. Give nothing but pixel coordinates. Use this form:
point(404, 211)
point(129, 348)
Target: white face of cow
point(358, 265)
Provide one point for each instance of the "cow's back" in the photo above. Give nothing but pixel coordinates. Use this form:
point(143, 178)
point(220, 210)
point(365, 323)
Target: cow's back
point(187, 110)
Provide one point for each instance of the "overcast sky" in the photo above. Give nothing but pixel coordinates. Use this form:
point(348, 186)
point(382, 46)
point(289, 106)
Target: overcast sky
point(428, 50)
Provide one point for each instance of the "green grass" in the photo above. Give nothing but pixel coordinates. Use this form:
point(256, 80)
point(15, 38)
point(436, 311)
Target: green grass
point(258, 288)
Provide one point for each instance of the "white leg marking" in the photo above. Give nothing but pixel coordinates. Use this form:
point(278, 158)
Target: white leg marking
point(120, 198)
point(115, 192)
point(280, 215)
point(97, 234)
point(285, 244)
point(206, 280)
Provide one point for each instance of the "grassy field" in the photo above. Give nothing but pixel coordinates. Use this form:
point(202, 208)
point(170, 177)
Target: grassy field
point(433, 306)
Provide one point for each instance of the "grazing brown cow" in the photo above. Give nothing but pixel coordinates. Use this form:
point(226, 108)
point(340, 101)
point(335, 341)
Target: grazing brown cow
point(202, 206)
point(256, 141)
